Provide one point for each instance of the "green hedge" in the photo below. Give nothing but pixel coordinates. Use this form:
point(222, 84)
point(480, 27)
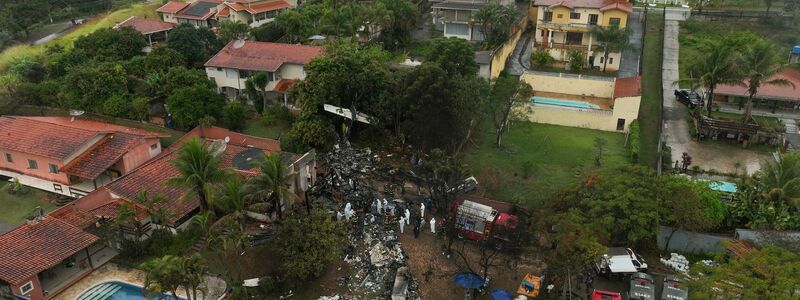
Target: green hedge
point(633, 141)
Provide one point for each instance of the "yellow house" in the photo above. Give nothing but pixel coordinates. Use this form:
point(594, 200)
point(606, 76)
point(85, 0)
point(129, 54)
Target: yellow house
point(564, 25)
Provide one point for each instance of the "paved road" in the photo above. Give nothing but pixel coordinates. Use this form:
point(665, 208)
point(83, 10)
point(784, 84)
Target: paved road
point(519, 61)
point(709, 156)
point(629, 66)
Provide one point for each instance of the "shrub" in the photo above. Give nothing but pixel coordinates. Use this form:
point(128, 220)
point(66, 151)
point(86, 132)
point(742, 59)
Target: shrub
point(116, 106)
point(576, 60)
point(280, 113)
point(140, 109)
point(542, 58)
point(633, 141)
point(234, 116)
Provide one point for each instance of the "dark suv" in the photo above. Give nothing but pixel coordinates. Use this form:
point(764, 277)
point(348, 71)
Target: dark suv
point(689, 98)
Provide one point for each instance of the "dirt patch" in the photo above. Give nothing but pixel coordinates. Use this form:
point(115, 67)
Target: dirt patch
point(434, 270)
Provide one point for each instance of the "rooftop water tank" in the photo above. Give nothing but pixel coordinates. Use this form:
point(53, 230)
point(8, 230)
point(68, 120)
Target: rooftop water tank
point(796, 49)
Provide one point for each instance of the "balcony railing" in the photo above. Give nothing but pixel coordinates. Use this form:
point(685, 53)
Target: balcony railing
point(565, 26)
point(540, 46)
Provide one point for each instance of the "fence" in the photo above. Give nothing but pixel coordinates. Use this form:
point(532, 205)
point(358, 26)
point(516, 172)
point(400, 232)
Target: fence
point(661, 93)
point(501, 54)
point(739, 15)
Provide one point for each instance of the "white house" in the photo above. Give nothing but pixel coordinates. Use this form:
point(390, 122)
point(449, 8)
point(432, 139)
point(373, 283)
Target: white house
point(241, 59)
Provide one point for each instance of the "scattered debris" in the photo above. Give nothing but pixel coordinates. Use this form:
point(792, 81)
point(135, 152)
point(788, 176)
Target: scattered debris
point(677, 262)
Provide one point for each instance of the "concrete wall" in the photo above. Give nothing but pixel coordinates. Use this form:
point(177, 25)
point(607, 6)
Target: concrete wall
point(569, 85)
point(500, 55)
point(169, 18)
point(692, 242)
point(35, 294)
point(140, 154)
point(626, 109)
point(582, 118)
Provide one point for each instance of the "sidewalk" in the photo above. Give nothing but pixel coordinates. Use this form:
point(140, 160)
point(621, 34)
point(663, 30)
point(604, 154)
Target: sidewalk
point(631, 58)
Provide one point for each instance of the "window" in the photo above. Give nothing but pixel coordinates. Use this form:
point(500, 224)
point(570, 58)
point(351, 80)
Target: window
point(219, 69)
point(611, 60)
point(593, 19)
point(53, 168)
point(154, 146)
point(574, 16)
point(26, 288)
point(620, 124)
point(245, 74)
point(548, 16)
point(601, 59)
point(614, 22)
point(8, 158)
point(32, 164)
point(560, 16)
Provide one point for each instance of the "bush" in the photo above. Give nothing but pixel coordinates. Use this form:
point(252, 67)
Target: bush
point(542, 58)
point(234, 116)
point(576, 60)
point(633, 141)
point(116, 106)
point(279, 113)
point(140, 109)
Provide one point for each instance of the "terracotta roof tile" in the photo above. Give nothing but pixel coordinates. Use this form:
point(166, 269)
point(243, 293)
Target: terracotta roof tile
point(145, 26)
point(42, 138)
point(172, 7)
point(262, 56)
point(264, 7)
point(73, 216)
point(224, 12)
point(94, 162)
point(628, 87)
point(284, 85)
point(94, 125)
point(31, 249)
point(152, 175)
point(768, 91)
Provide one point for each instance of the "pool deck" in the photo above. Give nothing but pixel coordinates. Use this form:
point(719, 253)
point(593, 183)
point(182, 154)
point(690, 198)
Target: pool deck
point(603, 103)
point(114, 272)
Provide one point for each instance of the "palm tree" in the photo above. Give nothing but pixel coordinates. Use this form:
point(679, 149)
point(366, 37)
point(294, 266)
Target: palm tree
point(161, 276)
point(779, 180)
point(192, 272)
point(199, 169)
point(611, 39)
point(272, 183)
point(257, 85)
point(232, 200)
point(717, 66)
point(761, 63)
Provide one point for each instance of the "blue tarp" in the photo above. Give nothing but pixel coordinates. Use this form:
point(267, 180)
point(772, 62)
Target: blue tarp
point(501, 294)
point(468, 280)
point(796, 49)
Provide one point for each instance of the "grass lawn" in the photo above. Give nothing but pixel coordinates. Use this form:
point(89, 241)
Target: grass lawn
point(257, 128)
point(16, 208)
point(101, 21)
point(650, 109)
point(559, 155)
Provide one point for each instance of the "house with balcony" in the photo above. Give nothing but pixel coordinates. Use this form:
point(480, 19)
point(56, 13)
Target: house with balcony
point(454, 17)
point(71, 157)
point(239, 60)
point(206, 13)
point(564, 25)
point(241, 153)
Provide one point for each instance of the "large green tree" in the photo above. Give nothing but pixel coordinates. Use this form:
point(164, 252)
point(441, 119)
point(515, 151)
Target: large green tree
point(770, 199)
point(161, 59)
point(295, 24)
point(195, 44)
point(306, 246)
point(403, 15)
point(454, 55)
point(508, 102)
point(691, 205)
point(233, 30)
point(112, 44)
point(440, 109)
point(86, 87)
point(495, 21)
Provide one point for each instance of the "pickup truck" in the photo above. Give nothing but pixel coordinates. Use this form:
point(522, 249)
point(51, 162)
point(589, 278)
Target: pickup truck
point(620, 261)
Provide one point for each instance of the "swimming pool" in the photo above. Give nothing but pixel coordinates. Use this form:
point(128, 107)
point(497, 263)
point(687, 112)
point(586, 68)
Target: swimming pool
point(117, 290)
point(722, 186)
point(563, 103)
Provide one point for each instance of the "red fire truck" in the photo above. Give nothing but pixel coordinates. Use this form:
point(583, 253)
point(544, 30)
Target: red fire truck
point(478, 219)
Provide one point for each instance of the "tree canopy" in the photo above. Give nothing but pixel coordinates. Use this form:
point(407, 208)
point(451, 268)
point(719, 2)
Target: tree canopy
point(112, 44)
point(195, 44)
point(305, 246)
point(768, 273)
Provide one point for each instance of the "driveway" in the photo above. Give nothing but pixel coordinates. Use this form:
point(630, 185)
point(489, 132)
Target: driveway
point(519, 61)
point(629, 66)
point(709, 155)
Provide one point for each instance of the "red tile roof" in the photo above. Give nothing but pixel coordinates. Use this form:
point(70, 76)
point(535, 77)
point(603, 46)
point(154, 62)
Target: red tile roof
point(172, 7)
point(773, 92)
point(42, 138)
point(94, 125)
point(73, 216)
point(152, 175)
point(262, 56)
point(623, 5)
point(284, 85)
point(95, 161)
point(628, 87)
point(145, 26)
point(224, 12)
point(31, 249)
point(264, 7)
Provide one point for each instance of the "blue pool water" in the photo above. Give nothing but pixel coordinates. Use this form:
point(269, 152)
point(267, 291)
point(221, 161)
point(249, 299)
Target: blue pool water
point(117, 290)
point(722, 186)
point(564, 103)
